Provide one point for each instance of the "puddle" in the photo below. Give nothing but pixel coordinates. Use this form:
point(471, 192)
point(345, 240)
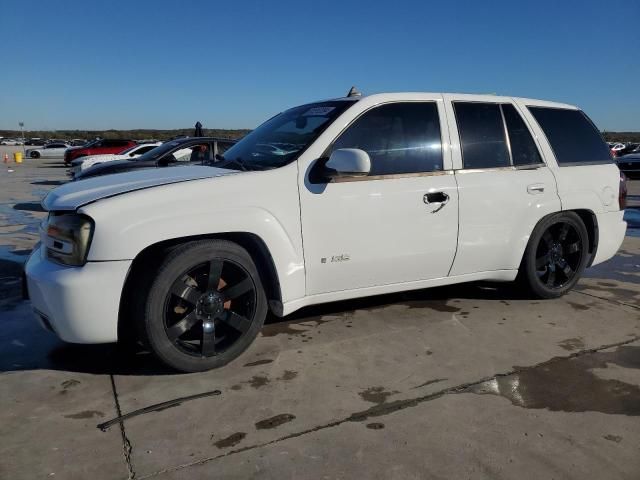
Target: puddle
point(231, 441)
point(569, 385)
point(376, 394)
point(85, 414)
point(258, 362)
point(375, 426)
point(274, 422)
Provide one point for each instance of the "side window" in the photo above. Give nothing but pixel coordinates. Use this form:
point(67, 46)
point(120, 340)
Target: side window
point(573, 137)
point(193, 153)
point(399, 138)
point(142, 150)
point(523, 147)
point(481, 135)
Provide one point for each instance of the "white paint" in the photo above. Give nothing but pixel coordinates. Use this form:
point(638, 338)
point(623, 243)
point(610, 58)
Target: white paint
point(375, 235)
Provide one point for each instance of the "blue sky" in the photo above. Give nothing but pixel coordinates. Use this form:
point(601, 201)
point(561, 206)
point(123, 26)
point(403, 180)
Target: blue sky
point(161, 64)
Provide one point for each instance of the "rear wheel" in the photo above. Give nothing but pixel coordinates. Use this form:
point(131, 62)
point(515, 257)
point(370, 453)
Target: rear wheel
point(205, 306)
point(556, 255)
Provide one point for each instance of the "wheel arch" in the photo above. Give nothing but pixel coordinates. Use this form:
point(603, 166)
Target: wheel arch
point(148, 260)
point(590, 221)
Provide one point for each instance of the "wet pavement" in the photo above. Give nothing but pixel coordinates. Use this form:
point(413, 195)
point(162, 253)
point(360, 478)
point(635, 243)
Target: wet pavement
point(470, 381)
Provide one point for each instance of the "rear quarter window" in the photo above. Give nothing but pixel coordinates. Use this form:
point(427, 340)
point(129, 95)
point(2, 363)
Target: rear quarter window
point(572, 135)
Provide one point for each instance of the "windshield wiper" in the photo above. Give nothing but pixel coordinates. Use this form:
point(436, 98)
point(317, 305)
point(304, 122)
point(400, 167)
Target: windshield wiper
point(231, 161)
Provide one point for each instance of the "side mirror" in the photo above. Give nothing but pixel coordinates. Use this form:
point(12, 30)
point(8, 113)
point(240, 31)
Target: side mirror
point(348, 162)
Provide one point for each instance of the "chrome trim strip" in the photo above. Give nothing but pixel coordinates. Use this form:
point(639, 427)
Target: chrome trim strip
point(391, 176)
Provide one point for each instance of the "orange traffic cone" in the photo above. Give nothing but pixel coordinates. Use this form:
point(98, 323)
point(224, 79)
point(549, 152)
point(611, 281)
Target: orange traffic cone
point(6, 158)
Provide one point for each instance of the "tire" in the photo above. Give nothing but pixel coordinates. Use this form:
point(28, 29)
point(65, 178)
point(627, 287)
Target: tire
point(205, 306)
point(556, 255)
point(34, 154)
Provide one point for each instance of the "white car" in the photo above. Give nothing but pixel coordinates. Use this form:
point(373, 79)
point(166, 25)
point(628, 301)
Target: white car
point(52, 150)
point(11, 141)
point(83, 163)
point(381, 194)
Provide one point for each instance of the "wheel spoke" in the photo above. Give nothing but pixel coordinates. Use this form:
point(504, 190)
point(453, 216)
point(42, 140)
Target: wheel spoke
point(565, 268)
point(235, 321)
point(215, 269)
point(238, 289)
point(564, 231)
point(573, 247)
point(548, 239)
point(541, 262)
point(183, 326)
point(185, 292)
point(552, 276)
point(208, 341)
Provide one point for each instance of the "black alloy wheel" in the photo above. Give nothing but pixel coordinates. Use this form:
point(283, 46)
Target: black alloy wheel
point(556, 255)
point(559, 255)
point(205, 314)
point(205, 306)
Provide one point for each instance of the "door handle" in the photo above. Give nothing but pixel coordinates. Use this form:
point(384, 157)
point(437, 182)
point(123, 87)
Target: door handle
point(439, 199)
point(536, 188)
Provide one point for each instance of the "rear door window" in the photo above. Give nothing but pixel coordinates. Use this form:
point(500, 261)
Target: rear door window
point(482, 135)
point(574, 138)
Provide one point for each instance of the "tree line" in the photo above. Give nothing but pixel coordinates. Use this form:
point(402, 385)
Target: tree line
point(137, 134)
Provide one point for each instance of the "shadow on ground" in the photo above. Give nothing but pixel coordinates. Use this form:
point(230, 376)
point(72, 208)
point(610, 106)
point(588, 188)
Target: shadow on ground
point(24, 345)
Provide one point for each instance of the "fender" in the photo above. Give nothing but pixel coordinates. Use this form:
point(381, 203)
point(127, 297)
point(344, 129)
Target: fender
point(188, 209)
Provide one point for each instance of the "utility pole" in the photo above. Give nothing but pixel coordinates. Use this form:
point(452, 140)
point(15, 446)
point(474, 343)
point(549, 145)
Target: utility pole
point(22, 133)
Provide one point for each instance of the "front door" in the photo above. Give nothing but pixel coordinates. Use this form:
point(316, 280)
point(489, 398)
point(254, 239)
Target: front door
point(397, 225)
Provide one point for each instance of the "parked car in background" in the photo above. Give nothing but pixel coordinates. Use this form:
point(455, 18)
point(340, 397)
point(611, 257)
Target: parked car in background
point(83, 163)
point(78, 142)
point(51, 150)
point(383, 193)
point(35, 141)
point(97, 147)
point(620, 149)
point(185, 151)
point(629, 164)
point(11, 141)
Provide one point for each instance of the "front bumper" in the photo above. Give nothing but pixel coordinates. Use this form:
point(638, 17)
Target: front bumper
point(611, 231)
point(80, 304)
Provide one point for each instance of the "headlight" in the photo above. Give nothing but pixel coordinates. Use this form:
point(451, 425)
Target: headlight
point(67, 238)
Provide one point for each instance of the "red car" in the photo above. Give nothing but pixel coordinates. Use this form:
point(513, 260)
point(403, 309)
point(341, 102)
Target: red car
point(97, 147)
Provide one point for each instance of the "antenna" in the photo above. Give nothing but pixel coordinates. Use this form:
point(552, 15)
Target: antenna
point(353, 92)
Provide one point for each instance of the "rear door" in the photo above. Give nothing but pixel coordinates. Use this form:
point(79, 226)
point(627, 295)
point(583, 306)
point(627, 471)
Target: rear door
point(504, 185)
point(383, 229)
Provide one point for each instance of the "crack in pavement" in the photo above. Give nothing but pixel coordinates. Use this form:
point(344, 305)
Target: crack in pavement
point(391, 407)
point(611, 300)
point(126, 444)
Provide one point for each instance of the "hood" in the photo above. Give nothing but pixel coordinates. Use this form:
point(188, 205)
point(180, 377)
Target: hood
point(73, 195)
point(104, 156)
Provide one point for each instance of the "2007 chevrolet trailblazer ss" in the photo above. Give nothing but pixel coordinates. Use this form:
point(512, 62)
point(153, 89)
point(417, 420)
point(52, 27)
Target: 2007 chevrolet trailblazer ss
point(327, 201)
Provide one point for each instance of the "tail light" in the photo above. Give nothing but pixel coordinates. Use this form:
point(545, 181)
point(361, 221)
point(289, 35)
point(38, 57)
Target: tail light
point(622, 197)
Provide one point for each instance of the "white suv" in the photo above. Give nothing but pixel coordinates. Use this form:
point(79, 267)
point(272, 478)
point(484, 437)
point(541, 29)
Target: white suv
point(328, 201)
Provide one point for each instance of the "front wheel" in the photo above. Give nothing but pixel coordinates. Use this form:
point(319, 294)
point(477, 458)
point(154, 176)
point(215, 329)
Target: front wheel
point(34, 154)
point(556, 255)
point(205, 306)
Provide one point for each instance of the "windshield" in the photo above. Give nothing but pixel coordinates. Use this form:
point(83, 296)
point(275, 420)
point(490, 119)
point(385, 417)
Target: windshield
point(124, 152)
point(284, 137)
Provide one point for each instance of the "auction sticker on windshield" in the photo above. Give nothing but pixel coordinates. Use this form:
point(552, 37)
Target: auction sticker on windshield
point(316, 111)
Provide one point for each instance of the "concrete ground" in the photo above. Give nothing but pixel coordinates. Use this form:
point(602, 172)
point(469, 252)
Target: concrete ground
point(469, 381)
